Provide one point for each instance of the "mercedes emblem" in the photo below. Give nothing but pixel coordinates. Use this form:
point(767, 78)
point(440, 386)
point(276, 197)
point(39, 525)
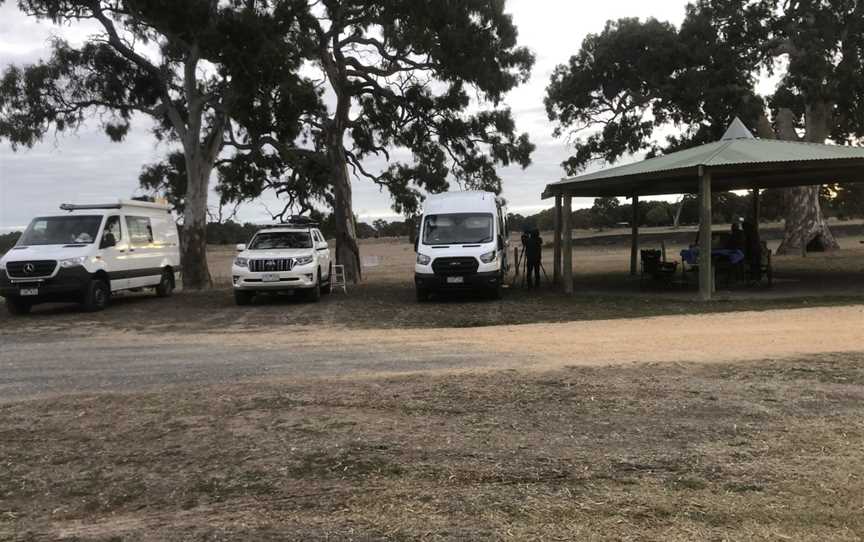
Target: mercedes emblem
point(29, 268)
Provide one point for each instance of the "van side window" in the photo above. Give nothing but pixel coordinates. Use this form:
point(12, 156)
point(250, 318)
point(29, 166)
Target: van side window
point(112, 226)
point(140, 231)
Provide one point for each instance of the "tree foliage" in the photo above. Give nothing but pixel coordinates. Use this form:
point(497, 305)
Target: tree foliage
point(401, 105)
point(213, 75)
point(632, 81)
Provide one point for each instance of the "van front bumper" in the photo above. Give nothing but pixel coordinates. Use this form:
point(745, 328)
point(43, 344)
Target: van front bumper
point(473, 281)
point(69, 284)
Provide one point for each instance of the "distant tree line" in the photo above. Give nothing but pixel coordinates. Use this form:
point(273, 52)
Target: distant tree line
point(8, 240)
point(230, 232)
point(843, 202)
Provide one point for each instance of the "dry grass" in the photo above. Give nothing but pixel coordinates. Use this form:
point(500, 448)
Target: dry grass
point(762, 450)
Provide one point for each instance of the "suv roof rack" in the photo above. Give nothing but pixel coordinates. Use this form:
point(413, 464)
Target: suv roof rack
point(295, 221)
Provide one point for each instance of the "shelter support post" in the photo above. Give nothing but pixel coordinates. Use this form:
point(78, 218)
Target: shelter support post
point(556, 262)
point(634, 237)
point(706, 273)
point(567, 239)
point(757, 208)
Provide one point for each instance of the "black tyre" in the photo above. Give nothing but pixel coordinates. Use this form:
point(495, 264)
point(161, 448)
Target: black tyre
point(328, 287)
point(242, 297)
point(166, 285)
point(97, 297)
point(313, 294)
point(422, 295)
point(17, 306)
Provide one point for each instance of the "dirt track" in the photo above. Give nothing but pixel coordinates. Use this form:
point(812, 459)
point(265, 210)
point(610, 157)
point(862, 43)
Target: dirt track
point(112, 360)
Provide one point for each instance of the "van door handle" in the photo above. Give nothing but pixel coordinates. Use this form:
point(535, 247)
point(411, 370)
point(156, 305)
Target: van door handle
point(131, 250)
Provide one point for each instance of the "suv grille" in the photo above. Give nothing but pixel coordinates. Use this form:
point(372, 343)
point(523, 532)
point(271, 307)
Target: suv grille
point(455, 266)
point(33, 269)
point(272, 264)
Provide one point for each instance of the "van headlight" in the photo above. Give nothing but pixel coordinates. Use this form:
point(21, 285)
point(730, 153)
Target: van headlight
point(423, 259)
point(489, 257)
point(241, 262)
point(72, 262)
point(303, 260)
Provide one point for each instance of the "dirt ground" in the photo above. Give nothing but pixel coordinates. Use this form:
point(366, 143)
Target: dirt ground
point(620, 413)
point(760, 450)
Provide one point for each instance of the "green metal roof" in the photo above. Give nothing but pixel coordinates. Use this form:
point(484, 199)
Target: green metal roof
point(737, 162)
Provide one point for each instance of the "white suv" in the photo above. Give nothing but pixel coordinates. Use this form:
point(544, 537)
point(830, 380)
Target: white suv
point(282, 258)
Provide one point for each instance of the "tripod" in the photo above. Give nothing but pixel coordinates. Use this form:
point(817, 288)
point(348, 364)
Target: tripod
point(522, 267)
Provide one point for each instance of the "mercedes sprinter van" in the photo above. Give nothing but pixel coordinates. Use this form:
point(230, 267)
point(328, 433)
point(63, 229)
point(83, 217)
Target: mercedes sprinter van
point(89, 252)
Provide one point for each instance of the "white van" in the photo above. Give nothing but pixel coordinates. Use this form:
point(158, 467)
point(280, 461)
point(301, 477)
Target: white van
point(89, 252)
point(462, 243)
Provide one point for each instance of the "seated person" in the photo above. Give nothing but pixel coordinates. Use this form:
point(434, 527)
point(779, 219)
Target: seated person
point(736, 239)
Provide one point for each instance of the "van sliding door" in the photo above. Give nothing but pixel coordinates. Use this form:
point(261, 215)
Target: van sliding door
point(144, 254)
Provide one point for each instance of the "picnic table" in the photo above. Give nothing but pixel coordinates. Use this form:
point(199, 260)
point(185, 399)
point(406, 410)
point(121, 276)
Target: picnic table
point(734, 256)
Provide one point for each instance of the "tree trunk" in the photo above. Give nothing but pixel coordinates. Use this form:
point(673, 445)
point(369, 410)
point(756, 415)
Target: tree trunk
point(347, 249)
point(196, 273)
point(805, 225)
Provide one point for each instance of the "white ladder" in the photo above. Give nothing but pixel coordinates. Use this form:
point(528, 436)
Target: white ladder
point(338, 278)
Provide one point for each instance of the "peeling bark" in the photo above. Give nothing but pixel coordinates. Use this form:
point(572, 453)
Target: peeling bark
point(805, 226)
point(196, 274)
point(347, 249)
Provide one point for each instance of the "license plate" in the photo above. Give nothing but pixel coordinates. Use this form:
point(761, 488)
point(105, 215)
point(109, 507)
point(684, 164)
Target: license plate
point(455, 280)
point(270, 277)
point(28, 291)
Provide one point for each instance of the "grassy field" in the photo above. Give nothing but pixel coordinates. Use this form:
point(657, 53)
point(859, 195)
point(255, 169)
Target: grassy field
point(766, 450)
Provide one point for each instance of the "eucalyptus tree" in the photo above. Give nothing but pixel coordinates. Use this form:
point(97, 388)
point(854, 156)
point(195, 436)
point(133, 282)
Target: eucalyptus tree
point(637, 77)
point(416, 88)
point(410, 99)
point(216, 77)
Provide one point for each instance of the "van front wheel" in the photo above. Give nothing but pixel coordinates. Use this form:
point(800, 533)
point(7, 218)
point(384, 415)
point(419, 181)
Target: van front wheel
point(97, 296)
point(17, 306)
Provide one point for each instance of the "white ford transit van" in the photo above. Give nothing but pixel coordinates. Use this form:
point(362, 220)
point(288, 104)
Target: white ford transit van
point(462, 244)
point(90, 251)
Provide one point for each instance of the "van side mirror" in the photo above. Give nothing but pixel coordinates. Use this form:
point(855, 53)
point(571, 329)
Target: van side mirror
point(108, 240)
point(241, 247)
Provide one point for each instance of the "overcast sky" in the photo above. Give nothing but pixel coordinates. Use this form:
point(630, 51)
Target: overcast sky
point(86, 166)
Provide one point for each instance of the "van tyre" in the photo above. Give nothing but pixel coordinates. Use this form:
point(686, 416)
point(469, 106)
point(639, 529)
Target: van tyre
point(422, 295)
point(243, 298)
point(97, 297)
point(17, 306)
point(166, 285)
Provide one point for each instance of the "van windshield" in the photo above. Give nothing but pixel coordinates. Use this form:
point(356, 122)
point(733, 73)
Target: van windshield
point(457, 228)
point(281, 239)
point(61, 230)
